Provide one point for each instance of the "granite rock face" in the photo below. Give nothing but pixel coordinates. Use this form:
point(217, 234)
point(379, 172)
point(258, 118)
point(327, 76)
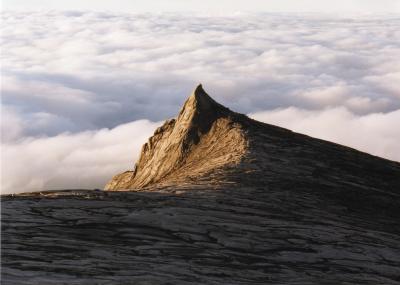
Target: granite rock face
point(218, 199)
point(208, 144)
point(204, 137)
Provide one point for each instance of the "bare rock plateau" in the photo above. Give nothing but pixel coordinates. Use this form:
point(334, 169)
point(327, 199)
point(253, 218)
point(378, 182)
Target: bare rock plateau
point(215, 198)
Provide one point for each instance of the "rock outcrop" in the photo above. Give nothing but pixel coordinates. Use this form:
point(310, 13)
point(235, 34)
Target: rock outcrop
point(208, 144)
point(204, 137)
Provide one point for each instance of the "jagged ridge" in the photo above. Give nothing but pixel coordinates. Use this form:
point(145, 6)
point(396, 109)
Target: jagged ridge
point(210, 145)
point(205, 136)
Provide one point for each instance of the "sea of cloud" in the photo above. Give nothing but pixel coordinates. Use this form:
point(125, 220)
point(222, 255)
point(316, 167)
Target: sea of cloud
point(81, 91)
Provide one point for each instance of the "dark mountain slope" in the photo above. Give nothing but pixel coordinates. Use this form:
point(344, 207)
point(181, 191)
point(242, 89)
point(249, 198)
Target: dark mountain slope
point(209, 138)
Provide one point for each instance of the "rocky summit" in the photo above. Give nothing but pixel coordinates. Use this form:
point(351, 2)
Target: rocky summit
point(205, 137)
point(210, 145)
point(215, 198)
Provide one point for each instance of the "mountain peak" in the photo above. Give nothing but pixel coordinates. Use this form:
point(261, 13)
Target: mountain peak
point(200, 96)
point(202, 126)
point(198, 93)
point(207, 144)
point(199, 90)
point(200, 104)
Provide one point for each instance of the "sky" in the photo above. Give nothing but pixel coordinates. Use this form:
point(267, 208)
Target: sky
point(220, 6)
point(82, 90)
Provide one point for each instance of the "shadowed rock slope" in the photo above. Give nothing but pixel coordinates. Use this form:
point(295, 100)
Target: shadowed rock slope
point(219, 199)
point(208, 144)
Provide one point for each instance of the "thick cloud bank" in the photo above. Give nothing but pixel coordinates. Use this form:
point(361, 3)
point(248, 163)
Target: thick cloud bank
point(374, 133)
point(82, 72)
point(82, 160)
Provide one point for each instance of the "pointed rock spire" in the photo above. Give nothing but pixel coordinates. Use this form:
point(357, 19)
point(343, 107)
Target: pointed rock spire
point(200, 111)
point(175, 144)
point(200, 100)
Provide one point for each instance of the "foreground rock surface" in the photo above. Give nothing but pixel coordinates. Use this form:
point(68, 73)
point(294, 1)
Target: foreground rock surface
point(219, 199)
point(238, 236)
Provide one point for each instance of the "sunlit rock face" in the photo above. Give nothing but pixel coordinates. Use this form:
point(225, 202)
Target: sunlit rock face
point(216, 198)
point(209, 144)
point(205, 136)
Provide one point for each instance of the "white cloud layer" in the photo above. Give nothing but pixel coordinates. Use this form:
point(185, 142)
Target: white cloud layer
point(373, 133)
point(81, 72)
point(84, 160)
point(347, 6)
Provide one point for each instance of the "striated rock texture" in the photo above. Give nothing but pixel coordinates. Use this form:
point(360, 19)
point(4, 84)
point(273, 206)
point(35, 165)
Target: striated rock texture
point(208, 144)
point(219, 199)
point(205, 136)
